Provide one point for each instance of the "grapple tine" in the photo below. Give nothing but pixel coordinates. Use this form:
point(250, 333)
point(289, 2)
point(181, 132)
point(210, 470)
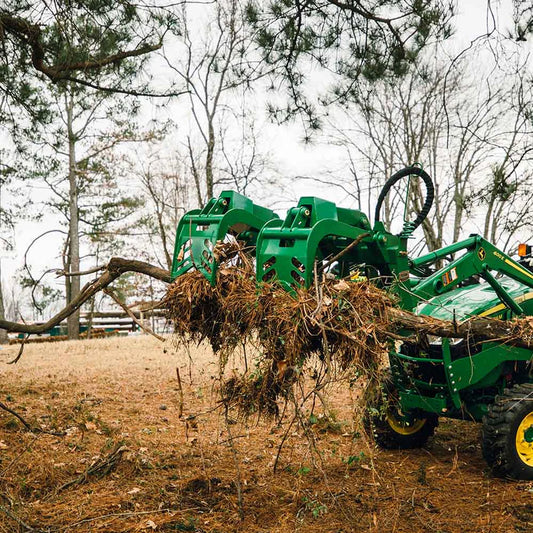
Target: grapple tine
point(200, 230)
point(315, 229)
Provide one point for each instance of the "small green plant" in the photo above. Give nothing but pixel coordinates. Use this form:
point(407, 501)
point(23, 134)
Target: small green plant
point(303, 471)
point(353, 459)
point(315, 507)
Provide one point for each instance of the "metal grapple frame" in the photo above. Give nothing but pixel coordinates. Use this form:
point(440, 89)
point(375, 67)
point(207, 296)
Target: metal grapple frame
point(200, 230)
point(489, 382)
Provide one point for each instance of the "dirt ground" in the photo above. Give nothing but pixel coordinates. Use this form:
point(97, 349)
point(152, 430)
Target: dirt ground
point(128, 462)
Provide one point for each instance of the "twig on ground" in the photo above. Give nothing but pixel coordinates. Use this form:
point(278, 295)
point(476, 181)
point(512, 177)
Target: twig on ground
point(238, 479)
point(130, 313)
point(180, 393)
point(27, 425)
point(99, 467)
point(126, 515)
point(21, 350)
point(15, 518)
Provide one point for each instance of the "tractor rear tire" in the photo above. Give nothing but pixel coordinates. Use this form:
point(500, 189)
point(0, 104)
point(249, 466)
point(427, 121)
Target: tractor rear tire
point(507, 436)
point(389, 428)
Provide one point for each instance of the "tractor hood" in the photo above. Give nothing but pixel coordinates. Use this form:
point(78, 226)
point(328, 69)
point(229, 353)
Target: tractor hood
point(476, 300)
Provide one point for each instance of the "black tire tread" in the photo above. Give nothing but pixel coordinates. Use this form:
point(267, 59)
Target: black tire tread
point(499, 431)
point(377, 425)
point(387, 438)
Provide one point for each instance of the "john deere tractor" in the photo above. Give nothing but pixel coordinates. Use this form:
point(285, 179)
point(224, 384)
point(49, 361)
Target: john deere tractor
point(487, 382)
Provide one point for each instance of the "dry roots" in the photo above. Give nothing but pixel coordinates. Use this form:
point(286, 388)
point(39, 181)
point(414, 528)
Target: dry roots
point(342, 323)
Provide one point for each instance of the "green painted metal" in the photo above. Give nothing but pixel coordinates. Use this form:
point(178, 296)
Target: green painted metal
point(439, 380)
point(312, 231)
point(480, 258)
point(450, 377)
point(473, 375)
point(201, 229)
point(478, 299)
point(410, 401)
point(315, 232)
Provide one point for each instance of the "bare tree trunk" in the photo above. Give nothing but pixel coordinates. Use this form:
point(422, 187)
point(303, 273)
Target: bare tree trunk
point(160, 213)
point(3, 332)
point(196, 175)
point(488, 216)
point(209, 158)
point(73, 321)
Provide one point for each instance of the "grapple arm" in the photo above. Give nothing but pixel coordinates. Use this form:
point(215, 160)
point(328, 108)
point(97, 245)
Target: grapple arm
point(315, 231)
point(200, 229)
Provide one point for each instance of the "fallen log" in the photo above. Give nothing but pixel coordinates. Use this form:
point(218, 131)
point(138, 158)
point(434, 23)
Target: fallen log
point(518, 332)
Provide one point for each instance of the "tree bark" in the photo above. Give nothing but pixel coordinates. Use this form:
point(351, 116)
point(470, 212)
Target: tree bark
point(3, 332)
point(209, 159)
point(73, 282)
point(518, 332)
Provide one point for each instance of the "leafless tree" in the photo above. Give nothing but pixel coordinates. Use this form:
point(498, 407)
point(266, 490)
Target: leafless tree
point(507, 198)
point(168, 196)
point(460, 131)
point(212, 67)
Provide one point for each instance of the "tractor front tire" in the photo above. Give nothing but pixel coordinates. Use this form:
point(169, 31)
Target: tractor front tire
point(393, 433)
point(507, 437)
point(390, 429)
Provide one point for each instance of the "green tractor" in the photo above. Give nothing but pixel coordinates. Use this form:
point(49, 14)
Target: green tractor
point(487, 382)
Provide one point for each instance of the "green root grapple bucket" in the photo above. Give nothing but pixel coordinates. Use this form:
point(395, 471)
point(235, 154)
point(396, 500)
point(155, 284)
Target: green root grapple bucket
point(231, 214)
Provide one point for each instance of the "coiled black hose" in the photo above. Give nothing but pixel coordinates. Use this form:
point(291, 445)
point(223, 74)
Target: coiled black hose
point(404, 172)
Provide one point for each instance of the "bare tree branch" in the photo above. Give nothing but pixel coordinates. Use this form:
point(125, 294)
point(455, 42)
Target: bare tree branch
point(115, 268)
point(128, 311)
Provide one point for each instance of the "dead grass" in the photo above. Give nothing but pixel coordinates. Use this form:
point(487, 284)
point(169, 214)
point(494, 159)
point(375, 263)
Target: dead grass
point(179, 475)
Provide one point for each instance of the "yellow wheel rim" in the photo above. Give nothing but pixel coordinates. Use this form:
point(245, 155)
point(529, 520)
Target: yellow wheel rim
point(524, 440)
point(403, 427)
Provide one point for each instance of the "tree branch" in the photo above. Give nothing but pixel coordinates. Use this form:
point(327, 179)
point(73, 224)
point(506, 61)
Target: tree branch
point(115, 268)
point(128, 311)
point(31, 35)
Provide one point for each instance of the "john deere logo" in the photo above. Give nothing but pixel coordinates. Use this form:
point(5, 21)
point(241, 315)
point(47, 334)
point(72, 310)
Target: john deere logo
point(481, 253)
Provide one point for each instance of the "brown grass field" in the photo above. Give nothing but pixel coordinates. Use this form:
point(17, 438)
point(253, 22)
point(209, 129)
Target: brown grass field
point(129, 462)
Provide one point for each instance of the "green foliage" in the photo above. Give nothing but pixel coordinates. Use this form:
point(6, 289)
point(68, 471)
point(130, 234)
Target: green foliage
point(68, 116)
point(354, 459)
point(89, 41)
point(315, 507)
point(303, 471)
point(352, 41)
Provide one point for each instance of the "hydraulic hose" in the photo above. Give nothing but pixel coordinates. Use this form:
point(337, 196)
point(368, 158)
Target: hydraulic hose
point(404, 172)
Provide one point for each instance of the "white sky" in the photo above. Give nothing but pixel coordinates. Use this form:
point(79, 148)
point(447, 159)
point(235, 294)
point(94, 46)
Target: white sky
point(290, 157)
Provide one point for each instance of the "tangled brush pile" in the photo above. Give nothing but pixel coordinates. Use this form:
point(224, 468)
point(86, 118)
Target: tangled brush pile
point(341, 322)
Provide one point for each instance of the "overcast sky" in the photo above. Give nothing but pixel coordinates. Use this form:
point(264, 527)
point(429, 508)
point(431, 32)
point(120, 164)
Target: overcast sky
point(289, 156)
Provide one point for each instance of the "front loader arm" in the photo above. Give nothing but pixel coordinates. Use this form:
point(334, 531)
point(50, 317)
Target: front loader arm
point(481, 258)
